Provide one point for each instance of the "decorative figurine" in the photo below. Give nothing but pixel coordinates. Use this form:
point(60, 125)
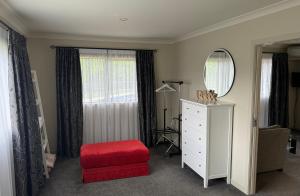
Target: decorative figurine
point(207, 96)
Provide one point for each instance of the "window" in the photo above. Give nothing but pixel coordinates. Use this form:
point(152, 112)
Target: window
point(108, 76)
point(265, 89)
point(110, 104)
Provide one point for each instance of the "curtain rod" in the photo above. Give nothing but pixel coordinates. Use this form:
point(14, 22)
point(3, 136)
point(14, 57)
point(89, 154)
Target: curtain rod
point(273, 52)
point(171, 81)
point(4, 25)
point(53, 47)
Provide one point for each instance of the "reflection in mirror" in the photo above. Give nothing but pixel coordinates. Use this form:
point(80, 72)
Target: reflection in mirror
point(219, 72)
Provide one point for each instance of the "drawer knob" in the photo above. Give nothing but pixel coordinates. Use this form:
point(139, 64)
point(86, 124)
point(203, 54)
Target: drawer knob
point(198, 111)
point(185, 130)
point(199, 138)
point(200, 125)
point(199, 152)
point(185, 119)
point(185, 154)
point(200, 165)
point(184, 142)
point(187, 108)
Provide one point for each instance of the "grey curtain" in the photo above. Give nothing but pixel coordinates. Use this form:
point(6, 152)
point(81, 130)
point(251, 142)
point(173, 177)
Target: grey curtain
point(69, 102)
point(27, 149)
point(278, 103)
point(146, 95)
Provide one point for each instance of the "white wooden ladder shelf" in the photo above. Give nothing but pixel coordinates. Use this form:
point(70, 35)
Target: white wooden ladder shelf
point(44, 138)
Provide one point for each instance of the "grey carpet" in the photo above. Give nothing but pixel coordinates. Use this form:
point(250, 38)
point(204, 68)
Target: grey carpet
point(166, 179)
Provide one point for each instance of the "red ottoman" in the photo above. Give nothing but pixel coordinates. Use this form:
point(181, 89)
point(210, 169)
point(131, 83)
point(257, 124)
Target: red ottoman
point(113, 160)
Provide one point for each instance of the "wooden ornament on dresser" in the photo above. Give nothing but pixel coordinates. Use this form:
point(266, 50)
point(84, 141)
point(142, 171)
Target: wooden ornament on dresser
point(207, 96)
point(206, 138)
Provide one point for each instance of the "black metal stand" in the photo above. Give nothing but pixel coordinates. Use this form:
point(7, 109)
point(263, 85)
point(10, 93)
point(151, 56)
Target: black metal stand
point(179, 137)
point(167, 131)
point(161, 131)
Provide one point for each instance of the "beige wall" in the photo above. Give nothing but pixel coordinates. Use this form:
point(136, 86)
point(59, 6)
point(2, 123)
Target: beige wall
point(240, 40)
point(184, 60)
point(42, 60)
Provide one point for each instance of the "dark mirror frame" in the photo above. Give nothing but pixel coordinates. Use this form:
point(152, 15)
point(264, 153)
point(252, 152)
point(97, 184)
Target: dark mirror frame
point(234, 69)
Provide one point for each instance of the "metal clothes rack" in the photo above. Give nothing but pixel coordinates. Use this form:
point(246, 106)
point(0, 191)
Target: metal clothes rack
point(167, 131)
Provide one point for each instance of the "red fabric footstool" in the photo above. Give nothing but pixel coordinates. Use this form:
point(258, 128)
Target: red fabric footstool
point(113, 160)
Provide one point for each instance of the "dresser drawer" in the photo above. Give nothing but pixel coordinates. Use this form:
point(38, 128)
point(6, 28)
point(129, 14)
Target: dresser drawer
point(199, 152)
point(188, 129)
point(196, 145)
point(193, 111)
point(194, 162)
point(197, 123)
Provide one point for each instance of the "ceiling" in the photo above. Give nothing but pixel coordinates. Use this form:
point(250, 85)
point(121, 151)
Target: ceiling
point(147, 19)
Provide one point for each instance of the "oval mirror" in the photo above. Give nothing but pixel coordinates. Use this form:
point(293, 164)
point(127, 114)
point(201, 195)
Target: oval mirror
point(219, 72)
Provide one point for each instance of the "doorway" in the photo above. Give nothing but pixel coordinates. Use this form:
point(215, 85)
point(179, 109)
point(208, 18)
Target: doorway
point(276, 140)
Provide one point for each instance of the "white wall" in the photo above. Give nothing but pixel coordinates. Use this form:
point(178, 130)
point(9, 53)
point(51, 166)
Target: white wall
point(42, 59)
point(240, 41)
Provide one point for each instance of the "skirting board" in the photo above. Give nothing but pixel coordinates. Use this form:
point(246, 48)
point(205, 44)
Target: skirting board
point(217, 176)
point(240, 187)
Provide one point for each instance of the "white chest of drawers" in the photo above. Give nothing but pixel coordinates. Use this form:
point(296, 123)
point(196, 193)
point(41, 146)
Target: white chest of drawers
point(206, 139)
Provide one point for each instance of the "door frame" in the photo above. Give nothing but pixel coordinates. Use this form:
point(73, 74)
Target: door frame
point(256, 71)
point(255, 119)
